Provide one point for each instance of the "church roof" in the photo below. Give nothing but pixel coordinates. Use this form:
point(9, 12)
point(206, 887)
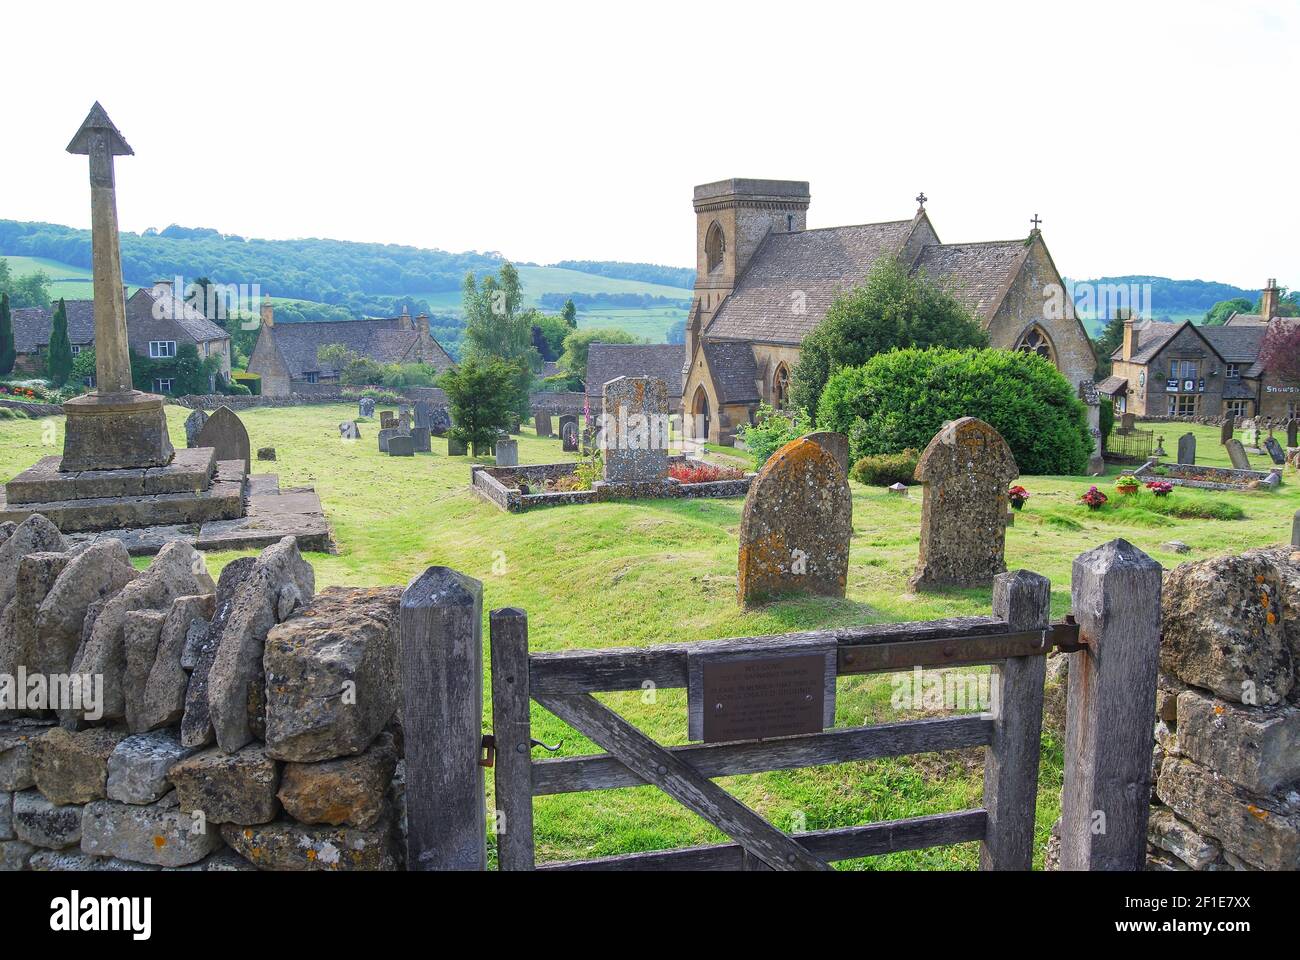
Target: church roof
point(382, 340)
point(794, 277)
point(975, 274)
point(609, 361)
point(735, 374)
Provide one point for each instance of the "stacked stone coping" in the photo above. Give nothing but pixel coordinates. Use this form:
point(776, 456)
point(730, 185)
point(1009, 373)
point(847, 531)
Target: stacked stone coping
point(1226, 765)
point(494, 484)
point(225, 743)
point(1225, 478)
point(33, 409)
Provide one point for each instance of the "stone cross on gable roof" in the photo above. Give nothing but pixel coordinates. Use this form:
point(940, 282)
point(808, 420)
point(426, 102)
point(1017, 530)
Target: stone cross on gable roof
point(1036, 222)
point(920, 200)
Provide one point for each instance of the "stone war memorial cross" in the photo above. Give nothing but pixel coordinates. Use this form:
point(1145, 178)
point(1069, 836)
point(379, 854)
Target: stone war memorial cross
point(966, 470)
point(798, 518)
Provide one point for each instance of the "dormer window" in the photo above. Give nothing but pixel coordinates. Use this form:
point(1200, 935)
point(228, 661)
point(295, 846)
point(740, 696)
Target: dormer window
point(715, 247)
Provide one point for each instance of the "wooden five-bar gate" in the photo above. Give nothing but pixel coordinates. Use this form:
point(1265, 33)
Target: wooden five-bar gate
point(1115, 645)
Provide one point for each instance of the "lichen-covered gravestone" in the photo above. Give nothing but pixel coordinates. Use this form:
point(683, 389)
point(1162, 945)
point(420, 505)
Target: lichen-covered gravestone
point(193, 427)
point(543, 424)
point(1187, 448)
point(349, 430)
point(634, 430)
point(794, 533)
point(1237, 454)
point(439, 421)
point(965, 470)
point(225, 433)
point(366, 407)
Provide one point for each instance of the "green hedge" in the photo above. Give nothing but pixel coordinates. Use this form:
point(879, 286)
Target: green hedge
point(886, 469)
point(252, 381)
point(903, 398)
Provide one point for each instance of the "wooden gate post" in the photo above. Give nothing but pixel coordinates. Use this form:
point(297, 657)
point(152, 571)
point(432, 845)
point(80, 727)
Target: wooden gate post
point(1110, 714)
point(512, 730)
point(1024, 600)
point(442, 721)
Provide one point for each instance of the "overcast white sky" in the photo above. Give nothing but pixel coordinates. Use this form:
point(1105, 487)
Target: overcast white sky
point(1156, 138)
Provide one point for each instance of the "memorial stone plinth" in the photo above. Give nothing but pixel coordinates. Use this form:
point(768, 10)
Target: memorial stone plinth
point(115, 432)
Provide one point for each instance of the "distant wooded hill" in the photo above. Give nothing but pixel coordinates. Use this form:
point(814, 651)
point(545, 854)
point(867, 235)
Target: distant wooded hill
point(1171, 298)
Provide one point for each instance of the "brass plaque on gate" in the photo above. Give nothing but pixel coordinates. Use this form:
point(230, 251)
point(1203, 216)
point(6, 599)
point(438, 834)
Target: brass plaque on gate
point(761, 697)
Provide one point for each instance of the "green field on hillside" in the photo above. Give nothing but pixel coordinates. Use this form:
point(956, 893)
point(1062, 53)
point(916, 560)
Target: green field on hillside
point(647, 572)
point(66, 281)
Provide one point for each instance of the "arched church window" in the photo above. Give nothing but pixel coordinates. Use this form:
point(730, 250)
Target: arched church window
point(1035, 341)
point(715, 246)
point(781, 387)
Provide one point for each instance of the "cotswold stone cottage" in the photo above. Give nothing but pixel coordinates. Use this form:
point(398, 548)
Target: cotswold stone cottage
point(1185, 370)
point(157, 323)
point(287, 355)
point(764, 281)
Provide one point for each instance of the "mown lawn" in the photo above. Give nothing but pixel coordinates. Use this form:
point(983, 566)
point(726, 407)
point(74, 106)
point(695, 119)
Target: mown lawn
point(665, 571)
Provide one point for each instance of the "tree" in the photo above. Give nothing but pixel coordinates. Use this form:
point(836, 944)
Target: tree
point(578, 343)
point(58, 364)
point(83, 366)
point(570, 314)
point(891, 309)
point(1112, 335)
point(901, 399)
point(1280, 351)
point(479, 394)
point(549, 331)
point(496, 328)
point(1218, 314)
point(336, 355)
point(8, 353)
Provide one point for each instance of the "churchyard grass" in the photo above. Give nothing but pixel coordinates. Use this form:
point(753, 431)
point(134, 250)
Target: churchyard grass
point(646, 572)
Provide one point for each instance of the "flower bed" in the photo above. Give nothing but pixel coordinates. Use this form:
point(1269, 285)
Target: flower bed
point(545, 483)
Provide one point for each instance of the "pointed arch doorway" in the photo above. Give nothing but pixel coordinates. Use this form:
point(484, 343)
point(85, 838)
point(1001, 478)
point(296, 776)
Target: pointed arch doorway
point(701, 413)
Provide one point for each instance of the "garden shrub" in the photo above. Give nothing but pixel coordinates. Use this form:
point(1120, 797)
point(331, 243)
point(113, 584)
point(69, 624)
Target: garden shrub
point(771, 430)
point(886, 469)
point(901, 399)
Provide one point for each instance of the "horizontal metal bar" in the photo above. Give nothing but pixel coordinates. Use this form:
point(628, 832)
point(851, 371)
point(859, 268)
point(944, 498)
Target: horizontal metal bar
point(843, 843)
point(843, 745)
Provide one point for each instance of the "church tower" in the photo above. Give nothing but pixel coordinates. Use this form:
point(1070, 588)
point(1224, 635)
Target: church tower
point(731, 219)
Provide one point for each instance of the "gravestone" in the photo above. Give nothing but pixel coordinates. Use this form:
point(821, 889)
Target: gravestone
point(193, 427)
point(965, 469)
point(507, 452)
point(1097, 461)
point(1275, 451)
point(349, 430)
point(266, 453)
point(1229, 424)
point(1127, 422)
point(225, 433)
point(566, 418)
point(1292, 429)
point(1295, 530)
point(1159, 451)
point(634, 429)
point(795, 529)
point(455, 448)
point(420, 440)
point(569, 437)
point(836, 444)
point(386, 437)
point(543, 423)
point(387, 420)
point(1237, 454)
point(423, 413)
point(401, 445)
point(439, 422)
point(1187, 448)
point(1250, 435)
point(404, 421)
point(366, 407)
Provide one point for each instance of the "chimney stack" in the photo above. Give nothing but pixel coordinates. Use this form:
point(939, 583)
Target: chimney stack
point(1130, 335)
point(268, 313)
point(406, 318)
point(1268, 302)
point(162, 288)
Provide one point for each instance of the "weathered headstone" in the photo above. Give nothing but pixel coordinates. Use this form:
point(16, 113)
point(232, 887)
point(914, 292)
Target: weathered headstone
point(366, 407)
point(1127, 422)
point(423, 413)
point(266, 453)
point(386, 436)
point(836, 444)
point(387, 420)
point(1275, 451)
point(455, 448)
point(439, 422)
point(1237, 454)
point(966, 469)
point(565, 419)
point(1229, 424)
point(515, 424)
point(193, 427)
point(795, 529)
point(507, 453)
point(1295, 530)
point(569, 437)
point(1292, 432)
point(543, 424)
point(404, 420)
point(1187, 448)
point(349, 430)
point(634, 429)
point(420, 440)
point(401, 445)
point(225, 433)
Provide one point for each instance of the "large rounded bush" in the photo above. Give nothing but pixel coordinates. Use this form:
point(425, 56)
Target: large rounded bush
point(901, 399)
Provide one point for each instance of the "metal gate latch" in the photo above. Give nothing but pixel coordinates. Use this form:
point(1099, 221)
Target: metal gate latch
point(487, 750)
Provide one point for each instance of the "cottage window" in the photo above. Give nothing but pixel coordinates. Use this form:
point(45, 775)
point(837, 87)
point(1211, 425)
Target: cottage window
point(76, 349)
point(1185, 405)
point(1233, 372)
point(162, 349)
point(162, 385)
point(1184, 370)
point(311, 376)
point(1236, 408)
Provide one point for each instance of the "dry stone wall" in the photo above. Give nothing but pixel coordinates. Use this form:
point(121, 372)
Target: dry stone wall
point(247, 723)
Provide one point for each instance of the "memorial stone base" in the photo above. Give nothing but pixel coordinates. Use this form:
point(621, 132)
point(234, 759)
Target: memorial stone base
point(115, 432)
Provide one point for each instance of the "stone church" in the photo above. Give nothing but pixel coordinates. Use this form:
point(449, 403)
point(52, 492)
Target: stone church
point(763, 281)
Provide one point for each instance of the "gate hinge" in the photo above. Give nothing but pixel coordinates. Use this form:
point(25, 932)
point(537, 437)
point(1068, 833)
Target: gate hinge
point(487, 751)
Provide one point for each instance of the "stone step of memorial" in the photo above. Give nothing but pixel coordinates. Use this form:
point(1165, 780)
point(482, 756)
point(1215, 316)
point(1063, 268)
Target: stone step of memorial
point(191, 471)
